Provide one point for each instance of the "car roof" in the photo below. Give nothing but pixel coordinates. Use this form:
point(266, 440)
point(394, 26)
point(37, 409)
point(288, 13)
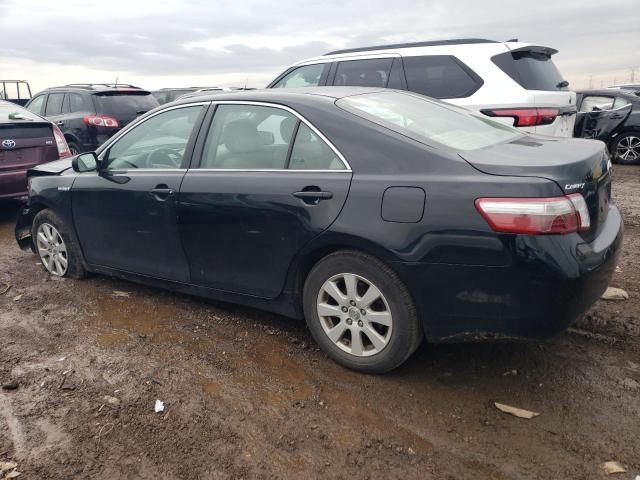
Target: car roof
point(440, 47)
point(7, 108)
point(283, 95)
point(96, 88)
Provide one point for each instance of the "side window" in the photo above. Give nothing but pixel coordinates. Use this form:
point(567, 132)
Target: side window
point(596, 103)
point(248, 137)
point(620, 102)
point(158, 142)
point(306, 76)
point(36, 104)
point(440, 76)
point(76, 104)
point(364, 73)
point(54, 104)
point(310, 152)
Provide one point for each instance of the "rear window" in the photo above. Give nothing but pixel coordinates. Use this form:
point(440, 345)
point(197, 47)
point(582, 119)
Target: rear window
point(531, 70)
point(428, 121)
point(364, 73)
point(125, 104)
point(440, 76)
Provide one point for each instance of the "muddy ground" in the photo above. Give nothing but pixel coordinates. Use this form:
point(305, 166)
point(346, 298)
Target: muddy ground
point(248, 395)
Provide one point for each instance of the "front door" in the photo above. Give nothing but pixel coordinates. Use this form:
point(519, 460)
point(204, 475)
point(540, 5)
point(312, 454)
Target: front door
point(265, 185)
point(600, 115)
point(126, 215)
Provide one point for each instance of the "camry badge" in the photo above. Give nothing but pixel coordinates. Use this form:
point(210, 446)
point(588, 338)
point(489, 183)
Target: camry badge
point(8, 143)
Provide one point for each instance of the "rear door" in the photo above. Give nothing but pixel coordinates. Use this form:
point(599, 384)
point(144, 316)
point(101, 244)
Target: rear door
point(600, 115)
point(266, 183)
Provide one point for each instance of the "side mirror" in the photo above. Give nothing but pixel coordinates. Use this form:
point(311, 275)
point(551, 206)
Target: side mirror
point(85, 162)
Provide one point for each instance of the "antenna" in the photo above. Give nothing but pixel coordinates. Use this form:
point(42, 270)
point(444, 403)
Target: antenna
point(117, 79)
point(246, 81)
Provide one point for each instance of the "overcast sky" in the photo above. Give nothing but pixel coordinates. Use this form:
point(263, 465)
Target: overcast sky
point(166, 43)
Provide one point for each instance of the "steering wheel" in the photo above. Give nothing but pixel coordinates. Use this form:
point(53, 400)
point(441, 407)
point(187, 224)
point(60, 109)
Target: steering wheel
point(162, 157)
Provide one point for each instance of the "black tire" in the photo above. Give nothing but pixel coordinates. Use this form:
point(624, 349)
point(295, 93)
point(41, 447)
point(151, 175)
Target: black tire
point(622, 138)
point(74, 148)
point(406, 333)
point(75, 268)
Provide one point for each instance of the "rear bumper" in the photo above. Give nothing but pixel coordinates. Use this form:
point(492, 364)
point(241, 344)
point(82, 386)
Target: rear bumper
point(13, 184)
point(549, 283)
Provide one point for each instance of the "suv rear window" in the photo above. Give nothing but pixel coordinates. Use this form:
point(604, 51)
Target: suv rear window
point(440, 76)
point(531, 70)
point(428, 121)
point(127, 104)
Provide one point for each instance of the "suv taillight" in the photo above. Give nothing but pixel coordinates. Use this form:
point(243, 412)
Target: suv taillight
point(525, 117)
point(61, 143)
point(560, 215)
point(101, 121)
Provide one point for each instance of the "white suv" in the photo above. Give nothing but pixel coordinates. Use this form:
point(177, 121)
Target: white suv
point(515, 82)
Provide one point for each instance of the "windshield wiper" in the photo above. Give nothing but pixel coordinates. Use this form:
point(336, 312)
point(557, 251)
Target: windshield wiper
point(562, 84)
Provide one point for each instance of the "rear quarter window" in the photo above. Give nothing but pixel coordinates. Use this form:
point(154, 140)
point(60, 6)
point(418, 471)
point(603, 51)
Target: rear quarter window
point(531, 70)
point(440, 76)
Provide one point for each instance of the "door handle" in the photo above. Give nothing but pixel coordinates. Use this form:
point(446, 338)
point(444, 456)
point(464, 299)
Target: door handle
point(162, 192)
point(313, 195)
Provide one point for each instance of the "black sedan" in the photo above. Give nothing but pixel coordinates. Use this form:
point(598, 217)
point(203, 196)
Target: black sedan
point(613, 116)
point(380, 216)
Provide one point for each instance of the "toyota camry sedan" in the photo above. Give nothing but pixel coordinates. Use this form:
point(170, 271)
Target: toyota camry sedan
point(381, 217)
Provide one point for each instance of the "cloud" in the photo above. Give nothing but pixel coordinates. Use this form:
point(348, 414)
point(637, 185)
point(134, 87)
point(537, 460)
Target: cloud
point(177, 38)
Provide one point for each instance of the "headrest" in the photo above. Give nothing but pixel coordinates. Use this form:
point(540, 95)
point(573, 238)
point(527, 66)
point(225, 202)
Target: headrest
point(242, 136)
point(286, 130)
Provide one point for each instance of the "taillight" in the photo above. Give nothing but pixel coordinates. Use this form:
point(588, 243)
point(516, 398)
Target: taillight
point(525, 117)
point(101, 121)
point(61, 143)
point(559, 215)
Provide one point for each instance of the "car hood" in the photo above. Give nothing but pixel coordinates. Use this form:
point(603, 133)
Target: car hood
point(57, 167)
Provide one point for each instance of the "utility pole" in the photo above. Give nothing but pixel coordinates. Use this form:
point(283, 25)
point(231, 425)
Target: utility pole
point(633, 75)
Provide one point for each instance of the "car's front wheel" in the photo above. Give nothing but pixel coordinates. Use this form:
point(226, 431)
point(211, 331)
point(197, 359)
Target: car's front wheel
point(56, 246)
point(626, 149)
point(360, 312)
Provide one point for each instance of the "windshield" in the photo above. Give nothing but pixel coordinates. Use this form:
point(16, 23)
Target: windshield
point(125, 105)
point(428, 121)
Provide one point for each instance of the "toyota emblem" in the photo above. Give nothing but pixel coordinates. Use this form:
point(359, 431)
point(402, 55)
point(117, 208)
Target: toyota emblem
point(8, 143)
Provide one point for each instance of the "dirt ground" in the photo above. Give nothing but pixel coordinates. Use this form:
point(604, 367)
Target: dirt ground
point(248, 395)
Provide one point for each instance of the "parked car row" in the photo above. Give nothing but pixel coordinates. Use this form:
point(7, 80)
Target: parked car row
point(360, 203)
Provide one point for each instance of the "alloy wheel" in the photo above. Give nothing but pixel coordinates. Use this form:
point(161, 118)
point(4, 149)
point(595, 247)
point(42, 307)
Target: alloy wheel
point(628, 148)
point(354, 314)
point(52, 250)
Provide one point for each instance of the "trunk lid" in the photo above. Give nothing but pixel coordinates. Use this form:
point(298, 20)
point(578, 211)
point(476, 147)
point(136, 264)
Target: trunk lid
point(576, 166)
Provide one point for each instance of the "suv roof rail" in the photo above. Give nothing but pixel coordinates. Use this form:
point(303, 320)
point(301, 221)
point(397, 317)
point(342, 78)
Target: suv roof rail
point(455, 41)
point(92, 86)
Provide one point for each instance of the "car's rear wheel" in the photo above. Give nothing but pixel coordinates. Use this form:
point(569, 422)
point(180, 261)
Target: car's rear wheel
point(56, 246)
point(360, 312)
point(626, 149)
